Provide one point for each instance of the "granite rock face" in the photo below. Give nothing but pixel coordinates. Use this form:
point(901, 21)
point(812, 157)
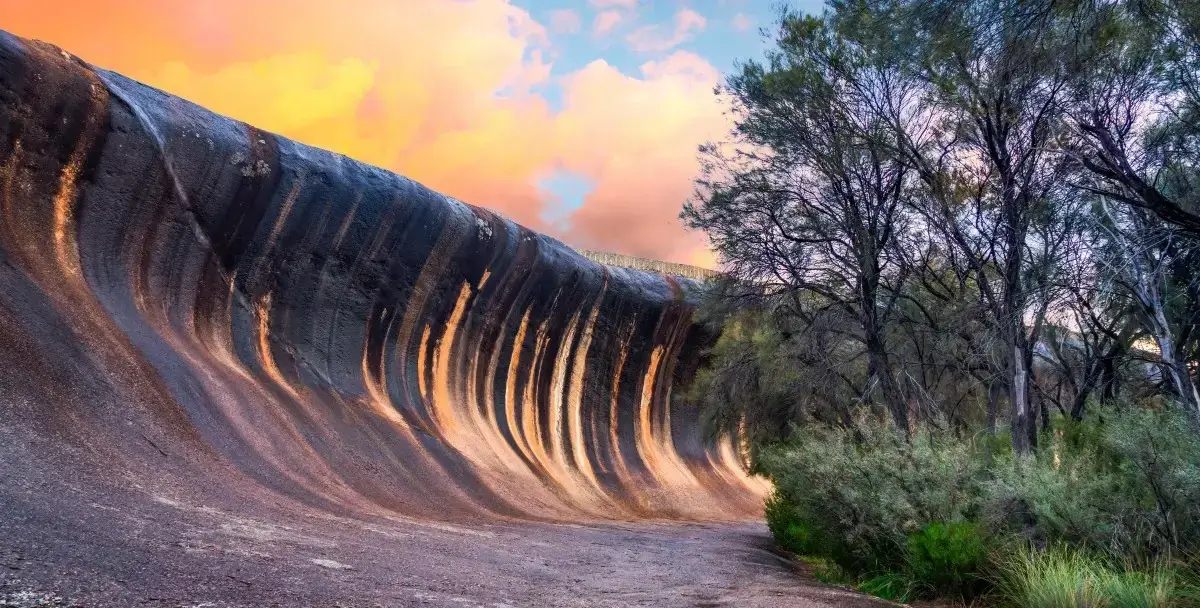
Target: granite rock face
point(190, 303)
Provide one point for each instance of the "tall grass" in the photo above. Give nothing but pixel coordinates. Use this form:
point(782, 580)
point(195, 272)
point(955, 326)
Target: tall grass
point(1064, 578)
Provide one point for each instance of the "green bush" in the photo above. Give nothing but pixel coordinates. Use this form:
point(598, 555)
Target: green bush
point(863, 491)
point(787, 526)
point(1125, 483)
point(948, 558)
point(922, 515)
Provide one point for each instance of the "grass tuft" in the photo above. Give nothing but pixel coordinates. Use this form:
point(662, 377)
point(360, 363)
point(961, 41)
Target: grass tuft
point(1062, 578)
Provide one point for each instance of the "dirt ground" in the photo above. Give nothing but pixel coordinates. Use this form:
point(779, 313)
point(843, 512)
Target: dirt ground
point(155, 551)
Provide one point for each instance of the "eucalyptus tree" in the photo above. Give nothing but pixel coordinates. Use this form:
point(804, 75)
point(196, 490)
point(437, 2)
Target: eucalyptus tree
point(994, 188)
point(806, 197)
point(1135, 106)
point(1156, 265)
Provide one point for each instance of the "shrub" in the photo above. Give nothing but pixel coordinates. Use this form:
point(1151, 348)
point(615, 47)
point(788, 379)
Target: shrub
point(919, 515)
point(1158, 454)
point(787, 526)
point(862, 491)
point(948, 558)
point(1125, 483)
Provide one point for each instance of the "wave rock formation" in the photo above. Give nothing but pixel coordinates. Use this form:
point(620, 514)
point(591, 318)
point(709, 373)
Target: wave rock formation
point(189, 302)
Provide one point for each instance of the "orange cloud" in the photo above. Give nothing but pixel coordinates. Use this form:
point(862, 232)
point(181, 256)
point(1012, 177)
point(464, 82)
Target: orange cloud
point(443, 92)
point(641, 182)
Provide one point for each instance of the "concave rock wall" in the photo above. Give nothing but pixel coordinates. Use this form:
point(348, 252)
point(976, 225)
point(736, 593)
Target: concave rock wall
point(188, 297)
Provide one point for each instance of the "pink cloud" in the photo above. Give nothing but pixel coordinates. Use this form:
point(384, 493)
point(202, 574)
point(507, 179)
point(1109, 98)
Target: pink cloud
point(565, 21)
point(613, 3)
point(606, 22)
point(653, 38)
point(641, 154)
point(742, 22)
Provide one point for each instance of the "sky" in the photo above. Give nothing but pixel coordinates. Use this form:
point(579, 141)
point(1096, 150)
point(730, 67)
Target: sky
point(577, 118)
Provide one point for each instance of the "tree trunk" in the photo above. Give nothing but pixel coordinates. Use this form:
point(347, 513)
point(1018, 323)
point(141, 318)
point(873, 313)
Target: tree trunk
point(1108, 379)
point(881, 369)
point(1024, 428)
point(1080, 402)
point(1182, 383)
point(1173, 366)
point(994, 389)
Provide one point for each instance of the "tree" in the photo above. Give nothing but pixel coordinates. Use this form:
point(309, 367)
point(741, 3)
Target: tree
point(1135, 106)
point(806, 199)
point(1156, 266)
point(993, 187)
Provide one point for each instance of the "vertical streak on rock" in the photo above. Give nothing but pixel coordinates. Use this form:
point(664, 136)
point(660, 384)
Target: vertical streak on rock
point(664, 437)
point(280, 222)
point(8, 176)
point(349, 219)
point(414, 307)
point(443, 402)
point(644, 433)
point(510, 388)
point(262, 313)
point(66, 248)
point(558, 388)
point(422, 352)
point(614, 413)
point(531, 426)
point(575, 403)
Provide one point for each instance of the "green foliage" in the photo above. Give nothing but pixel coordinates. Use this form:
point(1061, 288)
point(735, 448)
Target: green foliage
point(892, 586)
point(948, 559)
point(1125, 482)
point(787, 526)
point(1051, 579)
point(922, 516)
point(825, 571)
point(1139, 589)
point(867, 488)
point(747, 389)
point(1063, 578)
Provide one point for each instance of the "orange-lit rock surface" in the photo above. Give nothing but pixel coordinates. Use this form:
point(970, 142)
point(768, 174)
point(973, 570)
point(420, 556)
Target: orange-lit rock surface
point(217, 342)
